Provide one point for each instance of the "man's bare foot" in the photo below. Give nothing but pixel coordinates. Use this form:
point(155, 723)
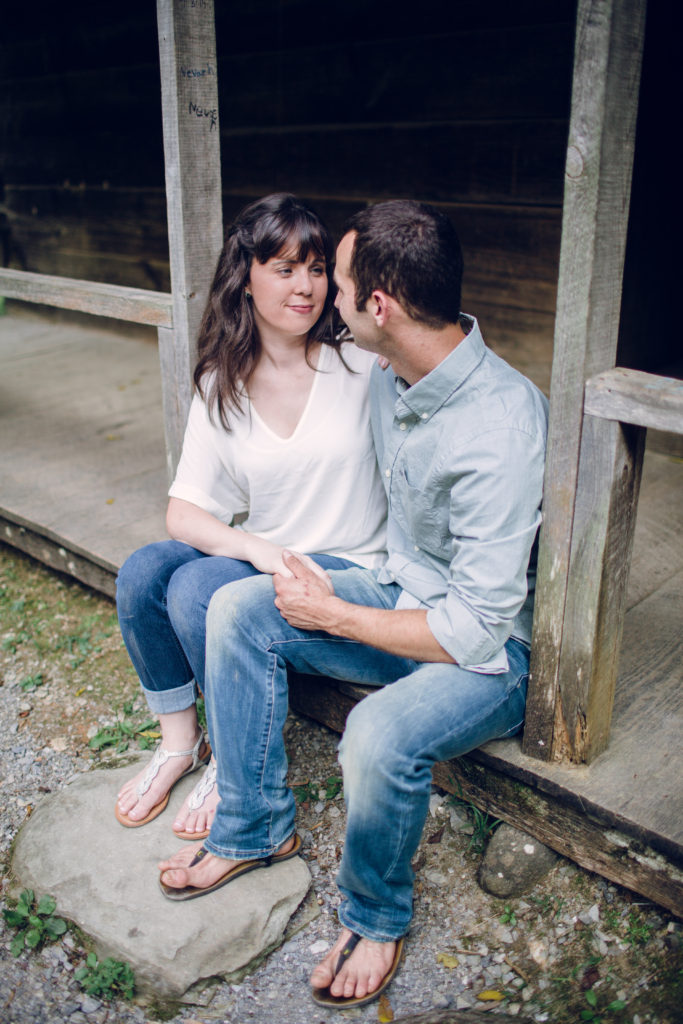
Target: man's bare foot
point(361, 974)
point(143, 793)
point(178, 871)
point(195, 817)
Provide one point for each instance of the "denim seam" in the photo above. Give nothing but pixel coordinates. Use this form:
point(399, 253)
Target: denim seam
point(264, 758)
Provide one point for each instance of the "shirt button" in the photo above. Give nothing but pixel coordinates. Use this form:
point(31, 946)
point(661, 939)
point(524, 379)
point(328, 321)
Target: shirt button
point(401, 426)
point(424, 416)
point(416, 548)
point(387, 472)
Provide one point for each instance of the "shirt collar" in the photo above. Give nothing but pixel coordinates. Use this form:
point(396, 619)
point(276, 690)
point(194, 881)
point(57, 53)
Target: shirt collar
point(431, 392)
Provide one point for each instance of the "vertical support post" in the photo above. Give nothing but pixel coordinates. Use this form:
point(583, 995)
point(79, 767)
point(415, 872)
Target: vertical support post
point(607, 61)
point(189, 95)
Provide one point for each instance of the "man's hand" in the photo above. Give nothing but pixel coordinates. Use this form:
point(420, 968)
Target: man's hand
point(268, 557)
point(303, 597)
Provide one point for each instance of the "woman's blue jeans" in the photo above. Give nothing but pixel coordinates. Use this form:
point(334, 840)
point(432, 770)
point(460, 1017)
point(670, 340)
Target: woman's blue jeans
point(162, 595)
point(430, 712)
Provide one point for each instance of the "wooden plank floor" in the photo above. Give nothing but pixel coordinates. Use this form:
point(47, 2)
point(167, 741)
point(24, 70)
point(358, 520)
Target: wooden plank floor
point(83, 482)
point(82, 459)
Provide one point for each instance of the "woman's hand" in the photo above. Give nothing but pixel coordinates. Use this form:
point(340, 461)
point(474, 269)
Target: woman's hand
point(267, 558)
point(201, 530)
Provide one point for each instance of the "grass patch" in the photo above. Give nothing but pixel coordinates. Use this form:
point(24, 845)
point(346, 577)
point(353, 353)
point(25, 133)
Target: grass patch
point(34, 921)
point(106, 979)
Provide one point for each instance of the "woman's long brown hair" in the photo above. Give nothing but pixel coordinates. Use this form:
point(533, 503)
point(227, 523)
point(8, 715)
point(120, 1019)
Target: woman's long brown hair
point(229, 344)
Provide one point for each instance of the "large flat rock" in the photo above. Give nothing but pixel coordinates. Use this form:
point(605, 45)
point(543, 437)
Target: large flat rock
point(105, 879)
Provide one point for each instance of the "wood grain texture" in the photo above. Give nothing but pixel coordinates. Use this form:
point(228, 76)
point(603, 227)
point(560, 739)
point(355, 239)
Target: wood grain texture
point(607, 62)
point(133, 304)
point(189, 91)
point(51, 551)
point(602, 541)
point(82, 458)
point(636, 397)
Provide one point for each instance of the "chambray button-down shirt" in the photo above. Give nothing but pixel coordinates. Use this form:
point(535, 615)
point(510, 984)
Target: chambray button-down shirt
point(461, 453)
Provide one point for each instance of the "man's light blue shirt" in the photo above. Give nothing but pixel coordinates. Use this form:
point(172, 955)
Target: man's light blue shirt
point(461, 454)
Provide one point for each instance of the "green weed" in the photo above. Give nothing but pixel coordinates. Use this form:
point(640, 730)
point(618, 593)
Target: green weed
point(201, 714)
point(35, 923)
point(305, 792)
point(484, 827)
point(31, 683)
point(333, 786)
point(594, 1015)
point(549, 905)
point(106, 979)
point(637, 931)
point(122, 732)
point(508, 916)
point(483, 824)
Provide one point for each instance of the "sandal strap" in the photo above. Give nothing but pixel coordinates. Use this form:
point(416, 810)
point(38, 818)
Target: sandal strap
point(346, 952)
point(161, 756)
point(203, 787)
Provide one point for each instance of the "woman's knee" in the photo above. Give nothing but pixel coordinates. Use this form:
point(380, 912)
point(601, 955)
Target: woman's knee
point(139, 577)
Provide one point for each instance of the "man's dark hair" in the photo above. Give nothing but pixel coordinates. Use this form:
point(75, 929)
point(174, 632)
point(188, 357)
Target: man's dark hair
point(412, 252)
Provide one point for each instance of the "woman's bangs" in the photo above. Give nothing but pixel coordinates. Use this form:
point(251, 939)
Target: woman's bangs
point(293, 240)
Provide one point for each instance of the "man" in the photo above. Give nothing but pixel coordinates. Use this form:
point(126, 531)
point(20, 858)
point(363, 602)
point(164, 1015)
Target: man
point(460, 440)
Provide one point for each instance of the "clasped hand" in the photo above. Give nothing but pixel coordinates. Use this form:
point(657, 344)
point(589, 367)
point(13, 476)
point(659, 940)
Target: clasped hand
point(300, 597)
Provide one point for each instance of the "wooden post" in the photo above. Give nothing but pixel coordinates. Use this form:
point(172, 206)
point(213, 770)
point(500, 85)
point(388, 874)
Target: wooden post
point(189, 92)
point(608, 52)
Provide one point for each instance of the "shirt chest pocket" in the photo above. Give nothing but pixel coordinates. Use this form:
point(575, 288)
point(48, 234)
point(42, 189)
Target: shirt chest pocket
point(424, 518)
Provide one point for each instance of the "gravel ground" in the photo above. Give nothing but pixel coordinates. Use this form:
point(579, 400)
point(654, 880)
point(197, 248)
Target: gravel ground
point(574, 948)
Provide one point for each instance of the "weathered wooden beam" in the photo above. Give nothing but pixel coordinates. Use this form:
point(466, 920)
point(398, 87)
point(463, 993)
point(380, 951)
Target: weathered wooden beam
point(134, 304)
point(51, 550)
point(632, 396)
point(596, 846)
point(602, 543)
point(609, 40)
point(189, 91)
point(564, 825)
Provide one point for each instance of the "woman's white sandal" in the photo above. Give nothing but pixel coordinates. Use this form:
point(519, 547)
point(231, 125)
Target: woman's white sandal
point(196, 800)
point(200, 754)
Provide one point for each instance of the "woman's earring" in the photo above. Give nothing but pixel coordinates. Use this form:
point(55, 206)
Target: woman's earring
point(248, 294)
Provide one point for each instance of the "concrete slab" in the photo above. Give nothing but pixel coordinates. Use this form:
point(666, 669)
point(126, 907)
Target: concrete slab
point(104, 878)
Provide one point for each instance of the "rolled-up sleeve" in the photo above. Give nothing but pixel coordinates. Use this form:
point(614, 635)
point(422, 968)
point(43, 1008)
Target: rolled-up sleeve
point(495, 495)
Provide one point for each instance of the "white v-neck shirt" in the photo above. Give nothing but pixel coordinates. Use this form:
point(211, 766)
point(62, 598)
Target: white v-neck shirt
point(317, 491)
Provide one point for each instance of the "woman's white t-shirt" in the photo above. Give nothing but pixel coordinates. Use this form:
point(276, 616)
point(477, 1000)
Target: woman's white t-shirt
point(317, 491)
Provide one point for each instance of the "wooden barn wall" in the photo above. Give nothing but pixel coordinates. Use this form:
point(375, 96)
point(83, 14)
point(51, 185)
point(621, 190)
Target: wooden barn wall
point(462, 104)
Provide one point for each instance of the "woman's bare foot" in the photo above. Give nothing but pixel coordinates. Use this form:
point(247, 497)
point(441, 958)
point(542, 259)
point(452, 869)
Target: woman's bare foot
point(195, 817)
point(151, 786)
point(363, 972)
point(178, 871)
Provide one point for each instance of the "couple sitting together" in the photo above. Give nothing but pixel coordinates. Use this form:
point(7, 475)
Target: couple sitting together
point(388, 510)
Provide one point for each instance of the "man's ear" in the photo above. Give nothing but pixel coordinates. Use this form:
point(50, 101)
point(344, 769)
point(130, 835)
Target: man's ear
point(379, 306)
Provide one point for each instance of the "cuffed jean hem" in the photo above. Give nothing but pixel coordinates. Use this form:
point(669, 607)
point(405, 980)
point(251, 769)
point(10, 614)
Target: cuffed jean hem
point(166, 702)
point(232, 853)
point(377, 935)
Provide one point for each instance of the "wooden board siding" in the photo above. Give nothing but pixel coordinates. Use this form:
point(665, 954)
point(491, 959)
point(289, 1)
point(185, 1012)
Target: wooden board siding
point(456, 106)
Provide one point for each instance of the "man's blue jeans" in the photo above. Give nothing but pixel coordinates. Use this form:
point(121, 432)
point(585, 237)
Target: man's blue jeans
point(430, 712)
point(162, 594)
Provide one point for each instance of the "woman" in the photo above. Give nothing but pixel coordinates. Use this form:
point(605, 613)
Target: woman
point(278, 438)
